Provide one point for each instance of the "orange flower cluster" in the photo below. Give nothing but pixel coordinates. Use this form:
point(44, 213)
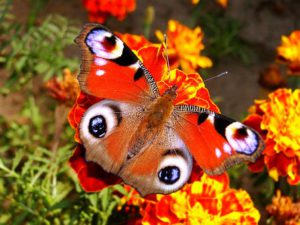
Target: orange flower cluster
point(99, 10)
point(289, 52)
point(284, 210)
point(208, 201)
point(278, 121)
point(271, 78)
point(133, 41)
point(223, 3)
point(184, 47)
point(65, 90)
point(191, 89)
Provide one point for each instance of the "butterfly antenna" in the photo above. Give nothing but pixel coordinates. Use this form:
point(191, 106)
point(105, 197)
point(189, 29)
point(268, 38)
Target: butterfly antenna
point(166, 52)
point(219, 75)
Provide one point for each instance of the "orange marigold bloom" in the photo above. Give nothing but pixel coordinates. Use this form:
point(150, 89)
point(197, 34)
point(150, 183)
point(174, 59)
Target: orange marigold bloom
point(223, 3)
point(184, 47)
point(99, 10)
point(133, 41)
point(195, 1)
point(284, 210)
point(278, 120)
point(64, 90)
point(271, 78)
point(208, 201)
point(289, 52)
point(190, 87)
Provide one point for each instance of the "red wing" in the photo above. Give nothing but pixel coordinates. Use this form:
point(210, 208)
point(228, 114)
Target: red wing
point(215, 141)
point(109, 68)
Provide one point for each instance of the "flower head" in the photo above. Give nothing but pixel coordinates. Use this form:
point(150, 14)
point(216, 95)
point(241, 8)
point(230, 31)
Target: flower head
point(289, 52)
point(223, 3)
point(278, 120)
point(208, 201)
point(184, 47)
point(191, 90)
point(271, 78)
point(133, 41)
point(284, 210)
point(99, 10)
point(64, 90)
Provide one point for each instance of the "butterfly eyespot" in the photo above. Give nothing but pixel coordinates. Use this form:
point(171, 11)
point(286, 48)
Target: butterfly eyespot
point(97, 126)
point(169, 174)
point(241, 138)
point(99, 121)
point(104, 44)
point(174, 169)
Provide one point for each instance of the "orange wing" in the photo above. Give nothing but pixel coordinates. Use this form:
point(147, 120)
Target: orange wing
point(215, 141)
point(110, 69)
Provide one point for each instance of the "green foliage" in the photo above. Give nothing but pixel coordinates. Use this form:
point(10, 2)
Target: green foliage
point(223, 37)
point(37, 185)
point(35, 50)
point(221, 33)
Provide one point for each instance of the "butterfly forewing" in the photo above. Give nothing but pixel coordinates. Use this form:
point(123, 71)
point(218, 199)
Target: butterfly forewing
point(216, 142)
point(110, 69)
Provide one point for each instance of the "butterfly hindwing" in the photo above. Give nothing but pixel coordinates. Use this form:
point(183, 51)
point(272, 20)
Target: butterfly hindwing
point(164, 166)
point(160, 164)
point(109, 68)
point(216, 142)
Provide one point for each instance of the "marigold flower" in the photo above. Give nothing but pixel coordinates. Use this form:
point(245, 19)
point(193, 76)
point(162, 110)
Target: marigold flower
point(184, 47)
point(133, 41)
point(223, 3)
point(99, 10)
point(284, 210)
point(208, 201)
point(64, 90)
point(278, 120)
point(190, 86)
point(195, 1)
point(271, 78)
point(289, 52)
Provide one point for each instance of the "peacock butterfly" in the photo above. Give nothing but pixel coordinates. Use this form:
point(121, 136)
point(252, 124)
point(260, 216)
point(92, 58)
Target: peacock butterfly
point(146, 136)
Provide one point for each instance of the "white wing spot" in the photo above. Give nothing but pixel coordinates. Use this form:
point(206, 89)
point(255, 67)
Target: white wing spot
point(211, 118)
point(100, 61)
point(100, 73)
point(218, 152)
point(227, 148)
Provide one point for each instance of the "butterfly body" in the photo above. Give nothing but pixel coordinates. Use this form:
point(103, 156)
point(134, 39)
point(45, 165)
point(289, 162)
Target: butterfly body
point(143, 134)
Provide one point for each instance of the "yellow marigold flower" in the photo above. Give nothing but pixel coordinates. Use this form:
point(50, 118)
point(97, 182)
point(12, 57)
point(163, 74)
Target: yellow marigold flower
point(284, 210)
point(184, 47)
point(223, 3)
point(289, 52)
point(194, 2)
point(278, 120)
point(208, 201)
point(65, 90)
